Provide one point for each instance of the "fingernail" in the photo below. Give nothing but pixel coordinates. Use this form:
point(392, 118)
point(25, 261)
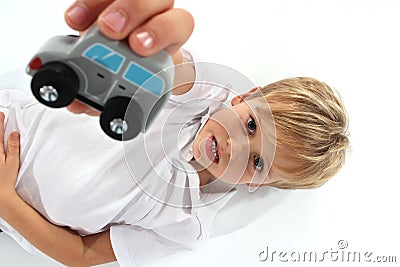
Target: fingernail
point(78, 14)
point(15, 135)
point(145, 39)
point(115, 20)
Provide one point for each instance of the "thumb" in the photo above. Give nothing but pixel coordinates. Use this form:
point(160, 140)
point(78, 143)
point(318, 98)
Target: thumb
point(13, 145)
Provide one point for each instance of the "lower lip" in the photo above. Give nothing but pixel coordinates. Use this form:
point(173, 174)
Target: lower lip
point(209, 152)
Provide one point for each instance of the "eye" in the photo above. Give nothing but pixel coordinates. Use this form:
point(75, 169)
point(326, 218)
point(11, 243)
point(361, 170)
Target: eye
point(258, 163)
point(251, 125)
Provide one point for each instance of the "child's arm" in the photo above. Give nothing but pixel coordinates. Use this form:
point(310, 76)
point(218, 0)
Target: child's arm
point(57, 242)
point(61, 244)
point(184, 75)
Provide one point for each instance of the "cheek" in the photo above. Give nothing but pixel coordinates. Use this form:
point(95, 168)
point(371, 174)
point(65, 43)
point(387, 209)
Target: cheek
point(232, 172)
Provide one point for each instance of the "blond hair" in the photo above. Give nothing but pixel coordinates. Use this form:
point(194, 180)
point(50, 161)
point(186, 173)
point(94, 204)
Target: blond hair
point(311, 129)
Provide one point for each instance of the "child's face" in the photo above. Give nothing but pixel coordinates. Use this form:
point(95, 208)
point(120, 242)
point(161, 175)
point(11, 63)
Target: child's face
point(232, 146)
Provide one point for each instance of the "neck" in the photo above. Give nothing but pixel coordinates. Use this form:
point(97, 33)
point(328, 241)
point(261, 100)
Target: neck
point(205, 177)
point(204, 174)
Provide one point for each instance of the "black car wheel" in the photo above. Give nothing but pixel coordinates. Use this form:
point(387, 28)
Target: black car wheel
point(121, 118)
point(55, 85)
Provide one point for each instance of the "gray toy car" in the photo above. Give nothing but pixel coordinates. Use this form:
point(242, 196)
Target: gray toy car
point(128, 89)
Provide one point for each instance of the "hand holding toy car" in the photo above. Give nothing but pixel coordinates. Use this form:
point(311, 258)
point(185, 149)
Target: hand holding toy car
point(149, 25)
point(129, 88)
point(105, 74)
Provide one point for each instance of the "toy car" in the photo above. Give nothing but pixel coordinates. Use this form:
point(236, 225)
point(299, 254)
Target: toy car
point(107, 75)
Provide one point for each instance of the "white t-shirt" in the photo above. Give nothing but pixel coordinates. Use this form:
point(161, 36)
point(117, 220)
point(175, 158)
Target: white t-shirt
point(143, 190)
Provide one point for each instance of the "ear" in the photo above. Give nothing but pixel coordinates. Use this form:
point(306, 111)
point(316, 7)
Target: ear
point(240, 98)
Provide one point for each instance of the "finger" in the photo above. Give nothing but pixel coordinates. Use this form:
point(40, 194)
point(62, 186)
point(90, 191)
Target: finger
point(2, 117)
point(13, 145)
point(123, 16)
point(169, 31)
point(77, 107)
point(81, 14)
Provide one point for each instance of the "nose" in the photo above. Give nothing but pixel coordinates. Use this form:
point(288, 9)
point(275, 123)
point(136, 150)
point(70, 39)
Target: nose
point(237, 147)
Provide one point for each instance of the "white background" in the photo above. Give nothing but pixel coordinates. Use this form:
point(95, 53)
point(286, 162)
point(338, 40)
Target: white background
point(352, 45)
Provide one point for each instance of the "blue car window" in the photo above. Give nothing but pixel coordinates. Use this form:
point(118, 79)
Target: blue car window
point(105, 57)
point(140, 76)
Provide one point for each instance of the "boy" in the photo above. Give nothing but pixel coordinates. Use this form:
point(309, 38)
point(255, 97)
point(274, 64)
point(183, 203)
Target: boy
point(85, 216)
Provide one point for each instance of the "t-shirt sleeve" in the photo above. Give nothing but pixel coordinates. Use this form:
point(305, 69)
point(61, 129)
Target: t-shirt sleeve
point(135, 246)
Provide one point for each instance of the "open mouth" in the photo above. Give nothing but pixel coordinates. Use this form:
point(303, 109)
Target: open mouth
point(212, 149)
